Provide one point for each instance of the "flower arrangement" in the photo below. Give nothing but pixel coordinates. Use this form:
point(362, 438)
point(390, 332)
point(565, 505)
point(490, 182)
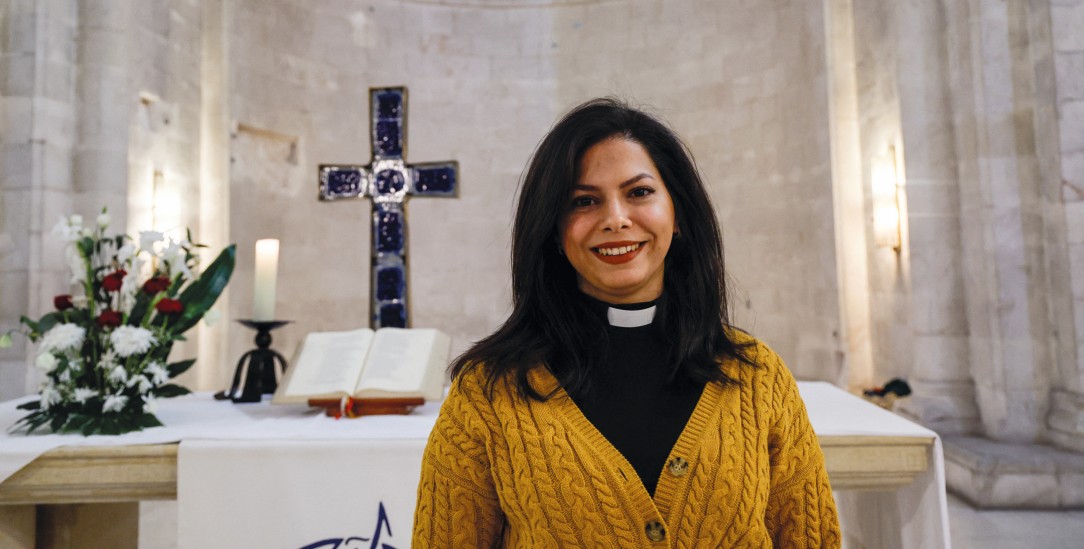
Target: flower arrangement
point(104, 349)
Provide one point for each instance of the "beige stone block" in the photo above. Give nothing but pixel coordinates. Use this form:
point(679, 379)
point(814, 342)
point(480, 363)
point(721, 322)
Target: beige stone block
point(1076, 268)
point(17, 74)
point(1071, 125)
point(1072, 173)
point(1067, 20)
point(1074, 220)
point(1069, 65)
point(19, 30)
point(17, 124)
point(939, 357)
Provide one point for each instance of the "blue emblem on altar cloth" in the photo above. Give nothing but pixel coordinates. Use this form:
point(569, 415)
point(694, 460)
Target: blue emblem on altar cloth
point(358, 542)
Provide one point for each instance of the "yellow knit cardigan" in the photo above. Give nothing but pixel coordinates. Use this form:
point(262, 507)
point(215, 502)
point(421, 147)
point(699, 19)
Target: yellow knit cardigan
point(746, 472)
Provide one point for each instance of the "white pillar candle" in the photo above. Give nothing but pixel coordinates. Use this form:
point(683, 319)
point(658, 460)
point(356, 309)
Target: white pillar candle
point(267, 263)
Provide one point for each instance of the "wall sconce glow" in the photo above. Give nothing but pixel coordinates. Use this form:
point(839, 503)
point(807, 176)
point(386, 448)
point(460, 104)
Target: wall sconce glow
point(886, 201)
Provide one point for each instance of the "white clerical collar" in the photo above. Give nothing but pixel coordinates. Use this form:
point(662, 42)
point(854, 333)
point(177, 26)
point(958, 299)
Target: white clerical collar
point(623, 318)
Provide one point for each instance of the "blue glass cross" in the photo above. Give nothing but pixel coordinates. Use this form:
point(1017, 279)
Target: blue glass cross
point(388, 180)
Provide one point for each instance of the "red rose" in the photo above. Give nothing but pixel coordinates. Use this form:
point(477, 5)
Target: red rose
point(112, 282)
point(109, 319)
point(63, 302)
point(155, 285)
point(169, 306)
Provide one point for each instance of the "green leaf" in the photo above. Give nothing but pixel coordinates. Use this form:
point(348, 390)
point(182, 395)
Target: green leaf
point(92, 426)
point(77, 422)
point(169, 391)
point(33, 405)
point(48, 321)
point(139, 309)
point(148, 420)
point(201, 295)
point(178, 368)
point(33, 421)
point(30, 324)
point(110, 426)
point(57, 422)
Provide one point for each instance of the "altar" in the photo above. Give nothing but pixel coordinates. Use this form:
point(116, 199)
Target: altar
point(259, 475)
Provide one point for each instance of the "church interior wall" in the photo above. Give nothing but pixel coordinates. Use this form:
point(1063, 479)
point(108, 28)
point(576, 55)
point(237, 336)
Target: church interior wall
point(37, 121)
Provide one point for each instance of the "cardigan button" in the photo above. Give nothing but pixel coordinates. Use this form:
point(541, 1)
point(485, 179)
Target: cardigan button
point(678, 467)
point(655, 531)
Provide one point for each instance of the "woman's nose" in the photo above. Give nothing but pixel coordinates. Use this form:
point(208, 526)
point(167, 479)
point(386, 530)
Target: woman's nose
point(617, 216)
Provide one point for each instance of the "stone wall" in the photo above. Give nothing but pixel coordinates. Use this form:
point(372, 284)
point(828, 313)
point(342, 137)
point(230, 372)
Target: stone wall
point(37, 122)
point(1062, 161)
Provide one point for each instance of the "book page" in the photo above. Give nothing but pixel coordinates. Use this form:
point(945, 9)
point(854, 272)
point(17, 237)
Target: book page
point(405, 362)
point(330, 364)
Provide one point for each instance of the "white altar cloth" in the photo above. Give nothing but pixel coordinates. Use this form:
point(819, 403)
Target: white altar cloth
point(238, 440)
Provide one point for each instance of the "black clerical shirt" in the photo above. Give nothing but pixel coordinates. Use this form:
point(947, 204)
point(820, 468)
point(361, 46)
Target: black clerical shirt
point(631, 402)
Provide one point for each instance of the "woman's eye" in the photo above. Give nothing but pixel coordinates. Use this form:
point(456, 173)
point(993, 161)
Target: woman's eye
point(641, 192)
point(582, 201)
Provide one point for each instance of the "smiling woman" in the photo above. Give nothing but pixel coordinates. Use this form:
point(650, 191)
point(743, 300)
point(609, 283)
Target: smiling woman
point(617, 406)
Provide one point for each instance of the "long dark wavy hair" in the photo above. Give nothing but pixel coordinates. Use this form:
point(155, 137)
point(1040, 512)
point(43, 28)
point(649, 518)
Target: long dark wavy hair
point(551, 324)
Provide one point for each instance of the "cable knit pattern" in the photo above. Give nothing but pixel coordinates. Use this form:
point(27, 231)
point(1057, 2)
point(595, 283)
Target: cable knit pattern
point(504, 472)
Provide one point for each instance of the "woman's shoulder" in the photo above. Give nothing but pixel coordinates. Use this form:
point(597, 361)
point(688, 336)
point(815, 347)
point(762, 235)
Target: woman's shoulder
point(761, 361)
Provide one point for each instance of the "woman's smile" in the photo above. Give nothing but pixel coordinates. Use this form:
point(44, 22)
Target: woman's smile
point(618, 252)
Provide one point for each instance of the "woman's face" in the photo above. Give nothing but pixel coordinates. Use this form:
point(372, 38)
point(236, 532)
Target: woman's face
point(619, 224)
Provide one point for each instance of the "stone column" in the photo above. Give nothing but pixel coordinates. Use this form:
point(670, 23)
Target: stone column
point(944, 395)
point(105, 102)
point(36, 117)
point(1060, 64)
point(213, 365)
point(993, 99)
point(852, 267)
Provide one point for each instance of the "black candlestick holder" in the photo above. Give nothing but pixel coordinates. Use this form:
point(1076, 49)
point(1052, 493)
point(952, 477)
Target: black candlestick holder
point(255, 375)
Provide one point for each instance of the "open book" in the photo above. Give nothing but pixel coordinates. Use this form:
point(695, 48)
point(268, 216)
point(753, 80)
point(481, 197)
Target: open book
point(363, 364)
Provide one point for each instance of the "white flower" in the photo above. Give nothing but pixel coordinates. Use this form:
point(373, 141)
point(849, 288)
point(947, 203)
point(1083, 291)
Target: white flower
point(76, 266)
point(175, 258)
point(131, 340)
point(82, 394)
point(157, 372)
point(210, 318)
point(65, 376)
point(114, 403)
point(126, 252)
point(103, 220)
point(147, 239)
point(86, 233)
point(66, 230)
point(75, 220)
point(79, 301)
point(63, 337)
point(49, 397)
point(118, 375)
point(46, 362)
point(128, 289)
point(144, 383)
point(150, 404)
